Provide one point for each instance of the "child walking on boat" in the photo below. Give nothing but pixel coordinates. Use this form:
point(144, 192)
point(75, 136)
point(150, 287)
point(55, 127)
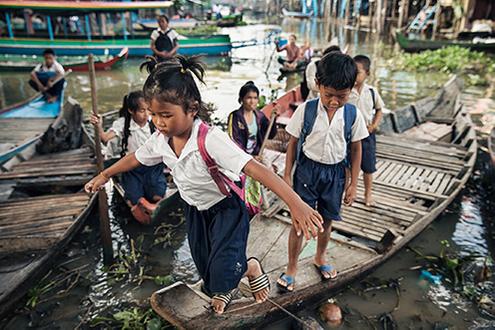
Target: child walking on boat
point(217, 219)
point(369, 102)
point(322, 131)
point(145, 185)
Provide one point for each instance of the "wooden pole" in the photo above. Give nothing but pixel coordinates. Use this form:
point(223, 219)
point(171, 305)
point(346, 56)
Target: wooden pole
point(106, 237)
point(378, 24)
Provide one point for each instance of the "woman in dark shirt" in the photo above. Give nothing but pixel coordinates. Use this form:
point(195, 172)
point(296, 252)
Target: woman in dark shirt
point(247, 126)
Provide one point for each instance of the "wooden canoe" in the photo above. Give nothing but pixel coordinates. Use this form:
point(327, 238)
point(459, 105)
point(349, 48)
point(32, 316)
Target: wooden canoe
point(22, 124)
point(418, 45)
point(35, 229)
point(296, 14)
point(171, 199)
point(21, 64)
point(416, 179)
point(491, 145)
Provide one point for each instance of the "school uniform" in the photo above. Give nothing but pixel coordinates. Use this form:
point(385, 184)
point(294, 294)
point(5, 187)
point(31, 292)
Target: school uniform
point(164, 40)
point(144, 181)
point(319, 177)
point(45, 73)
point(367, 102)
point(217, 225)
point(249, 136)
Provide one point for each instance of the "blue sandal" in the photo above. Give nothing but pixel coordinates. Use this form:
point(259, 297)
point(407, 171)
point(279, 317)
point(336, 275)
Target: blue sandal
point(289, 280)
point(326, 269)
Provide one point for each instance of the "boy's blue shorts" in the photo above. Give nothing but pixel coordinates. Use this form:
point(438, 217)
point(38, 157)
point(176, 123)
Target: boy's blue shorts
point(368, 160)
point(144, 181)
point(218, 242)
point(321, 186)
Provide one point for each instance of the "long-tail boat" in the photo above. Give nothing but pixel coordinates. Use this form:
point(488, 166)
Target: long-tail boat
point(418, 175)
point(35, 228)
point(80, 28)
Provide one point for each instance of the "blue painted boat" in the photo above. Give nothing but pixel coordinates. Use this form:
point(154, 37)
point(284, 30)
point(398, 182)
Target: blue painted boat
point(23, 124)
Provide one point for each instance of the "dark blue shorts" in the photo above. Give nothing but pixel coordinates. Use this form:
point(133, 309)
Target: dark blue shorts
point(218, 241)
point(368, 160)
point(321, 186)
point(144, 181)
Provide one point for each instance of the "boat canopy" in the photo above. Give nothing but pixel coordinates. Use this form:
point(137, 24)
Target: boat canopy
point(64, 8)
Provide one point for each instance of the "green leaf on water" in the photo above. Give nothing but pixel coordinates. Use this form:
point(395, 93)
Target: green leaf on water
point(164, 280)
point(154, 324)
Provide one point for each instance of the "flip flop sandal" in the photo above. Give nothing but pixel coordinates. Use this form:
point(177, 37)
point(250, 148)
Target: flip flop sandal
point(259, 283)
point(226, 298)
point(326, 269)
point(289, 280)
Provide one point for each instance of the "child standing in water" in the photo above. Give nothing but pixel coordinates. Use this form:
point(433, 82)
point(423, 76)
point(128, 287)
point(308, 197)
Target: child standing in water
point(217, 224)
point(144, 185)
point(367, 99)
point(322, 131)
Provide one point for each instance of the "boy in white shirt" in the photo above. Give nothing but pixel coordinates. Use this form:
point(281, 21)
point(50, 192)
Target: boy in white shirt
point(45, 74)
point(322, 131)
point(369, 102)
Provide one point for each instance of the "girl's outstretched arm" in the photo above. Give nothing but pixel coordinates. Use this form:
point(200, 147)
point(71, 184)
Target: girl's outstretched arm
point(127, 163)
point(304, 218)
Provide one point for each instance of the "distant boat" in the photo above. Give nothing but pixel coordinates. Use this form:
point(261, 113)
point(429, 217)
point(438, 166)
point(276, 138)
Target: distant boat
point(22, 64)
point(296, 14)
point(410, 44)
point(82, 42)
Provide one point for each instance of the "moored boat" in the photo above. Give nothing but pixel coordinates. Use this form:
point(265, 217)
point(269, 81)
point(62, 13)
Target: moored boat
point(296, 14)
point(416, 179)
point(22, 64)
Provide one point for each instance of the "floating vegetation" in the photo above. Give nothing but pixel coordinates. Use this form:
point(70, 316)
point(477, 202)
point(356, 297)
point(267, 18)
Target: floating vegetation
point(477, 67)
point(135, 318)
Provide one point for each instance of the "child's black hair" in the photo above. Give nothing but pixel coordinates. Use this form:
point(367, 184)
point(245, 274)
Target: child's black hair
point(48, 51)
point(129, 104)
point(246, 88)
point(331, 49)
point(172, 81)
point(164, 17)
point(365, 62)
point(336, 70)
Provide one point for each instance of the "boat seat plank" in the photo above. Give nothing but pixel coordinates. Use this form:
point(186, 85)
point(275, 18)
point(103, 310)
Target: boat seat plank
point(263, 235)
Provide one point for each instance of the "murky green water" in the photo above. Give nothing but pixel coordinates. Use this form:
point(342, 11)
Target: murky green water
point(83, 293)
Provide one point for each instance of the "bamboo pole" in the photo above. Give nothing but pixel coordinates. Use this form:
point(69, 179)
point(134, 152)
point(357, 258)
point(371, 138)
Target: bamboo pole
point(106, 237)
point(378, 24)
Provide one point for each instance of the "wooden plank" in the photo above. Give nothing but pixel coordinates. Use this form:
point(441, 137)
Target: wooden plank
point(34, 217)
point(356, 231)
point(413, 178)
point(264, 234)
point(393, 173)
point(61, 226)
point(443, 184)
point(44, 198)
point(59, 172)
point(28, 213)
point(389, 169)
point(436, 182)
point(424, 154)
point(399, 174)
point(419, 182)
point(28, 243)
point(371, 220)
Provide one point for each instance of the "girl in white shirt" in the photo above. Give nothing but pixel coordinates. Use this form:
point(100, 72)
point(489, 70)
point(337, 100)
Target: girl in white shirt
point(145, 185)
point(217, 224)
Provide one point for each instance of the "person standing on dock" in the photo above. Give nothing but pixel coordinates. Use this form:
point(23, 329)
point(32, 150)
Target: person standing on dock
point(323, 131)
point(164, 40)
point(367, 99)
point(45, 74)
point(205, 162)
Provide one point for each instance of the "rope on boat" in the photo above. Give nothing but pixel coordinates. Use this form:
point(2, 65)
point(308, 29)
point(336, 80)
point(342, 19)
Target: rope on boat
point(298, 319)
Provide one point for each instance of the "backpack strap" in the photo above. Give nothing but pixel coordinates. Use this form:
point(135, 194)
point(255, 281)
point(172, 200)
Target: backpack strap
point(310, 112)
point(220, 179)
point(373, 98)
point(349, 119)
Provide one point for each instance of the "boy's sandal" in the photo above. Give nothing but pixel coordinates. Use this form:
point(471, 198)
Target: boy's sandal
point(226, 298)
point(261, 282)
point(328, 269)
point(289, 280)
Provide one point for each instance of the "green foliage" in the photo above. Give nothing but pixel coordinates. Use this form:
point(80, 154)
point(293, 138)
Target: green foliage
point(132, 318)
point(452, 59)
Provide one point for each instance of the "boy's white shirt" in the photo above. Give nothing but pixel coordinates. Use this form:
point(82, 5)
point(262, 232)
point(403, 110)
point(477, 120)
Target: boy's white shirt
point(364, 102)
point(310, 79)
point(326, 144)
point(156, 33)
point(195, 184)
point(139, 135)
point(56, 67)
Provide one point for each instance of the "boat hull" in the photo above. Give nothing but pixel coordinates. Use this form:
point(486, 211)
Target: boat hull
point(208, 45)
point(416, 45)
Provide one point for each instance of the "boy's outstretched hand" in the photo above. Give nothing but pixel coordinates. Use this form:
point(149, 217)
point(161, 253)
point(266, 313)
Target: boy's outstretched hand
point(95, 184)
point(350, 194)
point(306, 220)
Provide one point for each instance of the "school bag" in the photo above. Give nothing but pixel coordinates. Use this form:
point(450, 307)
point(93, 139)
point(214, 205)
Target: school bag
point(246, 193)
point(310, 114)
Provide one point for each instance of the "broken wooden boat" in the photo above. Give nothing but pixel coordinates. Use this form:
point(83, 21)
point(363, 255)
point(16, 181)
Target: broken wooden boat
point(36, 224)
point(418, 176)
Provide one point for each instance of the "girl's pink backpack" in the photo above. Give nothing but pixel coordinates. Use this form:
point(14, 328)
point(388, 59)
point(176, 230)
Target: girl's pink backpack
point(221, 179)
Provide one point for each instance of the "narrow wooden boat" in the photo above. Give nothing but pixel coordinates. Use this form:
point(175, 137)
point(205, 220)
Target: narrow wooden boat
point(491, 145)
point(416, 179)
point(417, 45)
point(296, 14)
point(35, 229)
point(21, 64)
point(22, 124)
